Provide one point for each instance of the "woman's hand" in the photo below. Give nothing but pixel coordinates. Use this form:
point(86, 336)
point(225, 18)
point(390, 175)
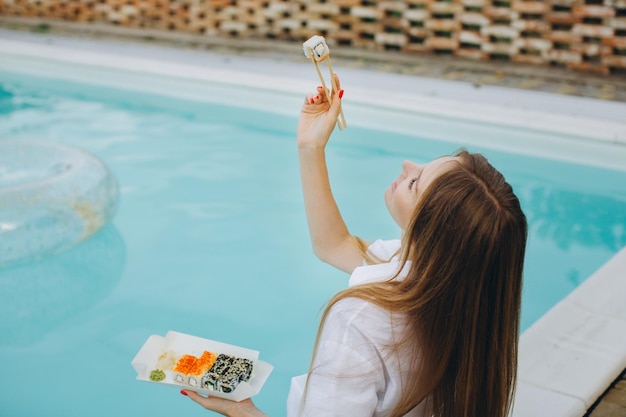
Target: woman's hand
point(245, 408)
point(318, 118)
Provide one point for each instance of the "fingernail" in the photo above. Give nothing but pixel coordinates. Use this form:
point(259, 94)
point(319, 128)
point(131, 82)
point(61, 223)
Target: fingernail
point(311, 101)
point(340, 93)
point(317, 97)
point(183, 392)
point(319, 86)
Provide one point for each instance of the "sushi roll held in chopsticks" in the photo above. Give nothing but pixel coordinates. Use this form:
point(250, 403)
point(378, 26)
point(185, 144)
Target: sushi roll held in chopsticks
point(316, 49)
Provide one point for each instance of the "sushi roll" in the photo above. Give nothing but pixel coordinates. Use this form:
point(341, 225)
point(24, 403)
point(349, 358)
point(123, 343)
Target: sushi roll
point(316, 48)
point(189, 369)
point(226, 374)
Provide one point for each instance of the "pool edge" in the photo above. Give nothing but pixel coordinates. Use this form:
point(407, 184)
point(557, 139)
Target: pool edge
point(573, 353)
point(564, 129)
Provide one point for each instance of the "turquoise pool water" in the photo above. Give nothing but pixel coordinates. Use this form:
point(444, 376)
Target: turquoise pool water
point(210, 239)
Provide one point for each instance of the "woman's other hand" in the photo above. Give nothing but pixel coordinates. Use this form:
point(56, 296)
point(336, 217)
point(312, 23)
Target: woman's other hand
point(318, 118)
point(245, 408)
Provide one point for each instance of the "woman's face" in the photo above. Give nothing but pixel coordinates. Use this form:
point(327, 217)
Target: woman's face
point(403, 194)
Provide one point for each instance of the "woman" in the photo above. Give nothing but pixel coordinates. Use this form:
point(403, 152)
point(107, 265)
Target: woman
point(429, 325)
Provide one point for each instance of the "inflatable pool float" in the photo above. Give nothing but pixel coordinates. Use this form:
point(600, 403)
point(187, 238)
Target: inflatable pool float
point(52, 196)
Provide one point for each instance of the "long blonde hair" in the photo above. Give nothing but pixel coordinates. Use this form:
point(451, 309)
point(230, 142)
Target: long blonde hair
point(462, 296)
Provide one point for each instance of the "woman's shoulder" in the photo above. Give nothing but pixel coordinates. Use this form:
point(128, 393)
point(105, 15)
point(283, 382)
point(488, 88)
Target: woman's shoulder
point(355, 305)
point(355, 315)
point(384, 250)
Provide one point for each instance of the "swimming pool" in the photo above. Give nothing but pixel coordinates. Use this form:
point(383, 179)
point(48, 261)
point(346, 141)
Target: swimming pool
point(210, 204)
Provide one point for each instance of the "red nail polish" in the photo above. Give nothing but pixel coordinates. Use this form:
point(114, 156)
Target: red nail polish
point(183, 392)
point(340, 93)
point(317, 97)
point(311, 101)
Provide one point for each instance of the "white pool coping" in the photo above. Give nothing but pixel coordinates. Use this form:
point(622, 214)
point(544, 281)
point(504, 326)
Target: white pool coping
point(571, 355)
point(564, 127)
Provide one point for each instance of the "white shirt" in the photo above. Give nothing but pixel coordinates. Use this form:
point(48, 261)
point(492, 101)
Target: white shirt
point(353, 373)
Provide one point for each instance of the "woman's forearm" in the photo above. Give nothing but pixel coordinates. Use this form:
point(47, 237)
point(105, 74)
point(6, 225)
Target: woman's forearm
point(330, 238)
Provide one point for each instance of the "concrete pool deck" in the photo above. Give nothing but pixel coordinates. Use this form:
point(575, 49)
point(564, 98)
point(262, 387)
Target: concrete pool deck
point(477, 73)
point(571, 355)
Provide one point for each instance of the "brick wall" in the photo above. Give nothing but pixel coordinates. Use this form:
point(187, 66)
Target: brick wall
point(587, 35)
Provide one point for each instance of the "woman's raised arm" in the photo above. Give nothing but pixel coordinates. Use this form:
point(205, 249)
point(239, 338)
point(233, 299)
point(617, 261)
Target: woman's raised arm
point(331, 240)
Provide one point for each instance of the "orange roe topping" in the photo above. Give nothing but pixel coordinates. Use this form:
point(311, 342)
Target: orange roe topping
point(185, 363)
point(207, 360)
point(192, 365)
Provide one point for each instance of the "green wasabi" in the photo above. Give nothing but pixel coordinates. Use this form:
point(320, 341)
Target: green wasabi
point(157, 375)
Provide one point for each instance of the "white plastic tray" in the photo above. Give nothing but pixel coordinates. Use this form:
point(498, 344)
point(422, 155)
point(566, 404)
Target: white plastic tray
point(180, 343)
